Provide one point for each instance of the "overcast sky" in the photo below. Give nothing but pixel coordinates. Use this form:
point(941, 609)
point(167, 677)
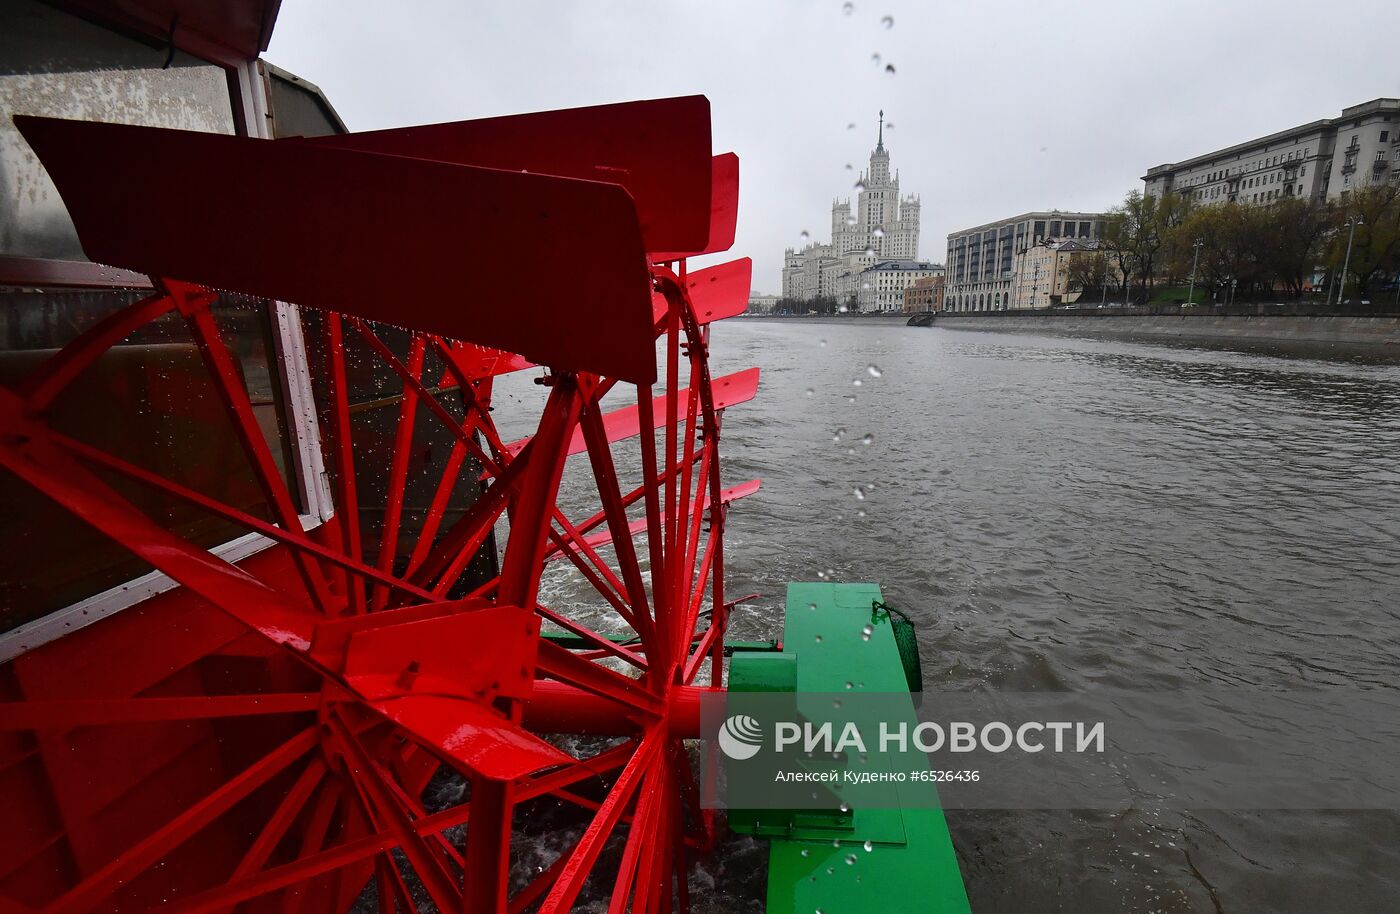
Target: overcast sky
point(994, 108)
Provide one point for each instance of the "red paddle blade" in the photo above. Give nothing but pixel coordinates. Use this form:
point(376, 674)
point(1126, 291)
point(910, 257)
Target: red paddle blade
point(626, 422)
point(420, 244)
point(720, 291)
point(659, 150)
point(724, 211)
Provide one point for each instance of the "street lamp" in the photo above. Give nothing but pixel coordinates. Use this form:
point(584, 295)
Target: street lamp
point(1191, 295)
point(1353, 222)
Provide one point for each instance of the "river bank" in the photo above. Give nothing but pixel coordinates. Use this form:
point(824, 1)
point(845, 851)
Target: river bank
point(1373, 336)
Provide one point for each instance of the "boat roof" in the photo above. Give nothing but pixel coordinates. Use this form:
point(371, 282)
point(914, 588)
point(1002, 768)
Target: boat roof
point(242, 26)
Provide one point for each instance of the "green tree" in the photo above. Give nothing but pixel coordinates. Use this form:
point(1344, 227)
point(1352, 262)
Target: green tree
point(1296, 239)
point(1375, 252)
point(1143, 233)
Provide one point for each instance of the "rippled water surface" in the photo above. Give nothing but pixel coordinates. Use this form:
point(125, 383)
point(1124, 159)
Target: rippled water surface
point(1064, 513)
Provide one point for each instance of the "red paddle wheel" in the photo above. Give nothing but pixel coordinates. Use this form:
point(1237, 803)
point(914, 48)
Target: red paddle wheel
point(315, 689)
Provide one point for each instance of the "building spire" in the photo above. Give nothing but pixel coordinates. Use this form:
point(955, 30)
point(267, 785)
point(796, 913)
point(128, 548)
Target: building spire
point(879, 146)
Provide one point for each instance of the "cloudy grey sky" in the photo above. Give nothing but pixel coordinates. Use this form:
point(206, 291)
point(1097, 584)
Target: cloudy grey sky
point(997, 107)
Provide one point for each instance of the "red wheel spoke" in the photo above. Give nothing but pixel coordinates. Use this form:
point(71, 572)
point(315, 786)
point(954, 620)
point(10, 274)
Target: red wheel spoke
point(387, 813)
point(595, 767)
point(47, 381)
point(565, 890)
point(557, 663)
point(398, 470)
point(147, 852)
point(441, 496)
point(525, 552)
point(541, 883)
point(281, 819)
point(604, 645)
point(341, 445)
point(594, 520)
point(667, 580)
point(390, 886)
point(640, 835)
point(488, 847)
point(413, 385)
point(608, 592)
point(88, 498)
point(650, 484)
point(299, 542)
point(463, 538)
point(614, 508)
point(234, 396)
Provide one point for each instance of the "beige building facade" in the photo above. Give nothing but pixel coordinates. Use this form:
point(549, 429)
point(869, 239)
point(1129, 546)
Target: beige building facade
point(982, 260)
point(1319, 160)
point(1041, 277)
point(882, 286)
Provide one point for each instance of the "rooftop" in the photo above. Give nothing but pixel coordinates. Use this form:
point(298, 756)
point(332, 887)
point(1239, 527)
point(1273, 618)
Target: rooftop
point(1361, 110)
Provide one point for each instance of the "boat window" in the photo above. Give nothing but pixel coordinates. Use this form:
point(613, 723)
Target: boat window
point(148, 401)
point(57, 65)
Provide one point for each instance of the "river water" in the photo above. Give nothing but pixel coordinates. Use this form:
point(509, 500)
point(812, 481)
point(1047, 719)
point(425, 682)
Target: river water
point(1061, 513)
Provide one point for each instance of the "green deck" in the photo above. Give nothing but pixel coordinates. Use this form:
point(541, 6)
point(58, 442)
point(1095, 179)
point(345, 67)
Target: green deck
point(912, 866)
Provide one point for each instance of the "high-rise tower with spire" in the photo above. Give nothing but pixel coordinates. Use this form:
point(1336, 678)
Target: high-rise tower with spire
point(884, 223)
point(882, 226)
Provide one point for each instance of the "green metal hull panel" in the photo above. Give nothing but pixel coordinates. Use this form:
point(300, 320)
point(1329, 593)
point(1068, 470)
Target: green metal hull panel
point(911, 866)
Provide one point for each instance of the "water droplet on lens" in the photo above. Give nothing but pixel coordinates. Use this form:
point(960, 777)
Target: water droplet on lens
point(869, 252)
point(846, 8)
point(875, 59)
point(805, 237)
point(835, 842)
point(860, 186)
point(845, 807)
point(874, 371)
point(810, 392)
point(850, 685)
point(860, 496)
point(889, 68)
point(857, 382)
point(851, 126)
point(867, 439)
point(819, 639)
point(869, 846)
point(812, 607)
point(806, 853)
point(861, 511)
point(879, 233)
point(838, 434)
point(850, 220)
point(850, 167)
point(850, 859)
point(822, 343)
point(842, 310)
point(887, 21)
